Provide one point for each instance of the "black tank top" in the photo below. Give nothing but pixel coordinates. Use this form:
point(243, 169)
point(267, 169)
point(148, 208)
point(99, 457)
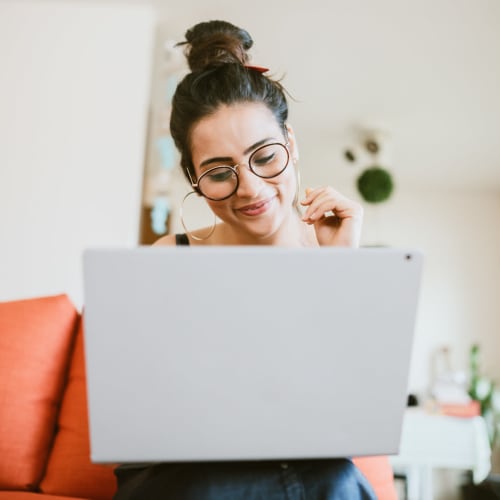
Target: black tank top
point(181, 239)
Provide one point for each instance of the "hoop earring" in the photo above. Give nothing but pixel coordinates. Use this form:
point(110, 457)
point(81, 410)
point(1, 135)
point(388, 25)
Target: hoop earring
point(181, 214)
point(297, 190)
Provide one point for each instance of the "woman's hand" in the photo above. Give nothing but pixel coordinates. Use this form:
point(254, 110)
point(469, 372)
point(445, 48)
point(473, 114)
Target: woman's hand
point(337, 220)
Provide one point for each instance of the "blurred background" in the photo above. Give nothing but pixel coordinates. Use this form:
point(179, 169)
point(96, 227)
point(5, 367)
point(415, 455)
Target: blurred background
point(412, 88)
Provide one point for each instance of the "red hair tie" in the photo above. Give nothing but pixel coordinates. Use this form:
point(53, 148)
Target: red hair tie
point(260, 69)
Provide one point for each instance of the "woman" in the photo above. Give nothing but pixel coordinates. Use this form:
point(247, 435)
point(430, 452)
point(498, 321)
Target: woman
point(229, 122)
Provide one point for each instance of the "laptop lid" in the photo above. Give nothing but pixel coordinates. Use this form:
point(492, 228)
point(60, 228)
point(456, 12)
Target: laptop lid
point(236, 353)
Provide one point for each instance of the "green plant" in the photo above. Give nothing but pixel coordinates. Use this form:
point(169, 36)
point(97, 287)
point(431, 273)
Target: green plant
point(375, 184)
point(482, 389)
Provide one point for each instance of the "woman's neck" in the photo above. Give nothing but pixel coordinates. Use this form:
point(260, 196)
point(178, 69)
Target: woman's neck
point(292, 233)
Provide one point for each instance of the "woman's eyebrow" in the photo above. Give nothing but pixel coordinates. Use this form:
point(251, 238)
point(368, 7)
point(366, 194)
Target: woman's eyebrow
point(226, 159)
point(216, 159)
point(257, 144)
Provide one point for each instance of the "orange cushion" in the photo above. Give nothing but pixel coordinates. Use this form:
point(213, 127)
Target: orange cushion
point(35, 341)
point(69, 470)
point(24, 495)
point(378, 471)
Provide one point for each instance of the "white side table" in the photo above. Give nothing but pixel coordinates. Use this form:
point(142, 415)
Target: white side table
point(431, 441)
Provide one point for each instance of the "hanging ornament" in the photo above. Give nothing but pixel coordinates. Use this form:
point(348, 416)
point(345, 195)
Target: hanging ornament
point(375, 184)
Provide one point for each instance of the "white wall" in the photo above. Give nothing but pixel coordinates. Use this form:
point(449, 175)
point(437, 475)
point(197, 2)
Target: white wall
point(460, 237)
point(74, 94)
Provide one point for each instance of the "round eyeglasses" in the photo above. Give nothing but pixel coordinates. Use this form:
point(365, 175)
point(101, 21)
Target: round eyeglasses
point(222, 181)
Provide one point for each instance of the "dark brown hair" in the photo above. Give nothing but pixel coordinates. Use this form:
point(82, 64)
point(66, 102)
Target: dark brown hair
point(217, 54)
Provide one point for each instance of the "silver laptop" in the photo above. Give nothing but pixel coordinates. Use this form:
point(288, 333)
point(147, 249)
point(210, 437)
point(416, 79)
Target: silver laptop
point(247, 353)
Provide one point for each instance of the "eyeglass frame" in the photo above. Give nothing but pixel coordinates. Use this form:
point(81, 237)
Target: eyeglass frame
point(195, 185)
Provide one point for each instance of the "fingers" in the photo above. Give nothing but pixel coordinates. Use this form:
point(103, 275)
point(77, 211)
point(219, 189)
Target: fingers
point(320, 201)
point(318, 208)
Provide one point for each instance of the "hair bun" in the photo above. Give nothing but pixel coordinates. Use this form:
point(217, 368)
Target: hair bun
point(214, 43)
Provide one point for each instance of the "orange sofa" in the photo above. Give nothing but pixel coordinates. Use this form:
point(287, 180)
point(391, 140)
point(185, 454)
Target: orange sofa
point(44, 442)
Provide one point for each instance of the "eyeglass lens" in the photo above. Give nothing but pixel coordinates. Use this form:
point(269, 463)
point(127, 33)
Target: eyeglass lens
point(221, 182)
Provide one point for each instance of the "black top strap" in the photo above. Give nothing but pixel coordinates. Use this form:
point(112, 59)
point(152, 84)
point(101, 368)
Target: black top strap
point(181, 239)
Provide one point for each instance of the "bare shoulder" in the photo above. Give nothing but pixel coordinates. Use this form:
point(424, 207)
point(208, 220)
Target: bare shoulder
point(167, 240)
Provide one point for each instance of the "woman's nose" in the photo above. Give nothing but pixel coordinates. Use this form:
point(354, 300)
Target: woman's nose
point(249, 184)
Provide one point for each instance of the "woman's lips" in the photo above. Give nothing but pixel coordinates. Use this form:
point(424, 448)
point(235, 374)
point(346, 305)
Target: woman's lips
point(256, 208)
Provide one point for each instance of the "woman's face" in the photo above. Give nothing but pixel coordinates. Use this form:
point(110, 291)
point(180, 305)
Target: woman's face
point(260, 206)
